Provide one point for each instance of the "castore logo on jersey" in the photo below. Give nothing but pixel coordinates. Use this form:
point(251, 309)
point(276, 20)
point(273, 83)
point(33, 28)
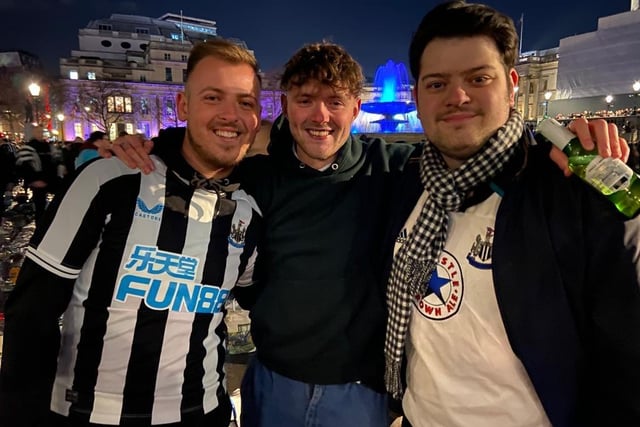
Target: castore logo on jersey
point(143, 211)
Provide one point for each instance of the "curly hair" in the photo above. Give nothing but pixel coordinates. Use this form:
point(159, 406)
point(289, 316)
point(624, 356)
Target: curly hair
point(328, 63)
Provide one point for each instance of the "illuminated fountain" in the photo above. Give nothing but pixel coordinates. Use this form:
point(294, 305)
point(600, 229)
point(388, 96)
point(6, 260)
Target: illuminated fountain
point(394, 102)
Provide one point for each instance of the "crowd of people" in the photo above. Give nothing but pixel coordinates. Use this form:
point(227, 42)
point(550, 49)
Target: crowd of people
point(42, 164)
point(466, 277)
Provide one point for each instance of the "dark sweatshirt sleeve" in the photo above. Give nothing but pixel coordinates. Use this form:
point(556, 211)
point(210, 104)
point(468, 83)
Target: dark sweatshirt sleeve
point(31, 344)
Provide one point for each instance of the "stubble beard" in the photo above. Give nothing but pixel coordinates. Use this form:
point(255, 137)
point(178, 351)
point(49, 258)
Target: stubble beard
point(208, 158)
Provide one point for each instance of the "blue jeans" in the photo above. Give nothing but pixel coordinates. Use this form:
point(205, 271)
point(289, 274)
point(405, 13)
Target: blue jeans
point(272, 400)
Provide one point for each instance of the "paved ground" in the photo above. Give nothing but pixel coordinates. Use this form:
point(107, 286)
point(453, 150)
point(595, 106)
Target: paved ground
point(235, 367)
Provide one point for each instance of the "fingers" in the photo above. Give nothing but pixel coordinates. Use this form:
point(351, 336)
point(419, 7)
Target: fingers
point(625, 151)
point(582, 129)
point(105, 152)
point(133, 151)
point(120, 152)
point(601, 135)
point(614, 141)
point(560, 159)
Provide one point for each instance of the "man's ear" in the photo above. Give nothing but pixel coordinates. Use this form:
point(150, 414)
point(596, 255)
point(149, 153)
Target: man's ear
point(513, 77)
point(183, 109)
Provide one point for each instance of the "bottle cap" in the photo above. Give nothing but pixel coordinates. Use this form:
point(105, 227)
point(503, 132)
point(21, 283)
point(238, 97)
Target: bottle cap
point(555, 132)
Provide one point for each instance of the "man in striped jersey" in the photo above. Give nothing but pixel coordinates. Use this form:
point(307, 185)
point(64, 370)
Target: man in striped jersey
point(140, 267)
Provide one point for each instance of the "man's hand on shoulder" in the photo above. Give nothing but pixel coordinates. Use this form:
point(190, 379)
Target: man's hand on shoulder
point(592, 134)
point(132, 150)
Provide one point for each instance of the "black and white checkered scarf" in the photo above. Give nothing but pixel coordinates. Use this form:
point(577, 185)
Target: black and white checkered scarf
point(416, 259)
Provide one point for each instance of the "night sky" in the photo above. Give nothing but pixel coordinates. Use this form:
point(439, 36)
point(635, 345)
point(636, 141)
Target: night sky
point(276, 29)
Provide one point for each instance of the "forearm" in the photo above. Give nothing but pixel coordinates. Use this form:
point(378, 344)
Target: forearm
point(31, 343)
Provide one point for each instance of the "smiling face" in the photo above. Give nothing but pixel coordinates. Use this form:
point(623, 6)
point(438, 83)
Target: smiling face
point(221, 107)
point(463, 94)
point(320, 119)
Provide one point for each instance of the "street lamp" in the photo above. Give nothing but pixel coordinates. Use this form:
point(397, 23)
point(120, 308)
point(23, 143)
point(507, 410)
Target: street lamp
point(608, 99)
point(636, 86)
point(60, 118)
point(547, 97)
point(34, 90)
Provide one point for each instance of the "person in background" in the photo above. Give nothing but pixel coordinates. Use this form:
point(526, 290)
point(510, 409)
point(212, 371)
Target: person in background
point(89, 150)
point(318, 322)
point(7, 173)
point(41, 165)
point(513, 292)
point(140, 268)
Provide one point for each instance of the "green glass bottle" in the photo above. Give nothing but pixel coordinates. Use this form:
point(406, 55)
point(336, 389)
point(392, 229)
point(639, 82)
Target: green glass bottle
point(610, 176)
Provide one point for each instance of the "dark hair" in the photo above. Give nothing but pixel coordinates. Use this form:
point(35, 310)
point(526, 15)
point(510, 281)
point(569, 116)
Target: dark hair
point(328, 63)
point(96, 136)
point(461, 19)
point(222, 49)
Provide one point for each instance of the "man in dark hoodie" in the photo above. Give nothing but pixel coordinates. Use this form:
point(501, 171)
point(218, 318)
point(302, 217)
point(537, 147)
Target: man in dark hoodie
point(318, 322)
point(140, 267)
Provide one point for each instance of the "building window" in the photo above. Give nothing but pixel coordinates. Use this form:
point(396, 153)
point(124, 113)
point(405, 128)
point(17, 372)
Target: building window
point(143, 46)
point(544, 85)
point(142, 30)
point(170, 108)
point(113, 131)
point(175, 36)
point(128, 127)
point(119, 104)
point(105, 27)
point(125, 45)
point(73, 75)
point(167, 57)
point(168, 76)
point(77, 130)
point(184, 58)
point(143, 78)
point(184, 75)
point(91, 75)
point(532, 88)
point(144, 106)
point(105, 43)
point(145, 129)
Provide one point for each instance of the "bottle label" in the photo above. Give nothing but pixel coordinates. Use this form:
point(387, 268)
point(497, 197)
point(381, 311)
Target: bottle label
point(609, 175)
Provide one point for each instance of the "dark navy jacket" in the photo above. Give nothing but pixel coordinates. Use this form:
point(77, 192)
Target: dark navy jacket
point(565, 271)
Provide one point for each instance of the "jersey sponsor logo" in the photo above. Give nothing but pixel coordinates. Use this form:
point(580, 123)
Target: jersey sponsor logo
point(480, 255)
point(444, 290)
point(143, 211)
point(166, 281)
point(237, 234)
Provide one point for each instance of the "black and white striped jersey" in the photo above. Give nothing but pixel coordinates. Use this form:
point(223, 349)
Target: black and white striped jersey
point(153, 259)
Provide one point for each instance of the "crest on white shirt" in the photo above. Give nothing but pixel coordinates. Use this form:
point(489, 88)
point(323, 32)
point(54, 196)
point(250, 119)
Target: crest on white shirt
point(444, 290)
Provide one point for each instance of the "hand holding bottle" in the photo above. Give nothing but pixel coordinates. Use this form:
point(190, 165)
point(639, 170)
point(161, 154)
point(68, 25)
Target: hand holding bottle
point(593, 134)
point(609, 175)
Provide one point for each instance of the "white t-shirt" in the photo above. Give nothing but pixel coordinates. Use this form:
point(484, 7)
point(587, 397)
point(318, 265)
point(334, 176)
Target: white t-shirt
point(461, 369)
